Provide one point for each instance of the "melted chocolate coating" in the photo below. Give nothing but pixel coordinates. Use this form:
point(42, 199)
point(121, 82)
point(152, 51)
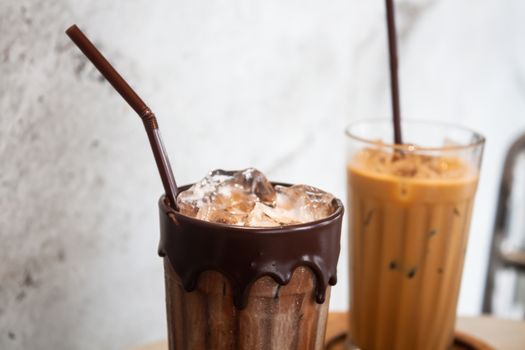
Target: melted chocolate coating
point(244, 254)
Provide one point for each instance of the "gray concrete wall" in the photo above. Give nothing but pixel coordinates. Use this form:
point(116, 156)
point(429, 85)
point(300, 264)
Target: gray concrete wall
point(269, 84)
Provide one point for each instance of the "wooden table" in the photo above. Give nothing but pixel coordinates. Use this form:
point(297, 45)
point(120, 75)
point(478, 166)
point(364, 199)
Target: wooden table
point(498, 333)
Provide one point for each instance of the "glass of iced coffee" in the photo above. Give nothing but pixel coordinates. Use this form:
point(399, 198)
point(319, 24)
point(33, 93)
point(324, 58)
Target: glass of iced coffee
point(410, 207)
point(249, 263)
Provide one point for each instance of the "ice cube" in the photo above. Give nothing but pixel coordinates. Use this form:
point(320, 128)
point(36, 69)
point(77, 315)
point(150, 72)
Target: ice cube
point(303, 203)
point(247, 198)
point(294, 205)
point(259, 216)
point(226, 196)
point(408, 164)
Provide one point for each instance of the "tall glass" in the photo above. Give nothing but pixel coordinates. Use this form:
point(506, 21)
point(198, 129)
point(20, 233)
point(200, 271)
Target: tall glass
point(248, 288)
point(410, 208)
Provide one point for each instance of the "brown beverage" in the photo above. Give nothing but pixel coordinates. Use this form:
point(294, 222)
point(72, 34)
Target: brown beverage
point(409, 220)
point(275, 317)
point(234, 286)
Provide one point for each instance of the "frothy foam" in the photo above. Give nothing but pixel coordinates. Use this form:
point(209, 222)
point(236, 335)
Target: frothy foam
point(411, 165)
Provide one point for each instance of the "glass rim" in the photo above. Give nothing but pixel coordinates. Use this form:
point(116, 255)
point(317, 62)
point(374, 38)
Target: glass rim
point(267, 230)
point(479, 140)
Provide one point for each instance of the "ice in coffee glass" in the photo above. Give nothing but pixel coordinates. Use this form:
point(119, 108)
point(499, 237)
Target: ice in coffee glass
point(249, 263)
point(410, 208)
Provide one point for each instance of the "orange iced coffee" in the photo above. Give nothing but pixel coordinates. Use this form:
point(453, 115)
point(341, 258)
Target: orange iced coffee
point(409, 221)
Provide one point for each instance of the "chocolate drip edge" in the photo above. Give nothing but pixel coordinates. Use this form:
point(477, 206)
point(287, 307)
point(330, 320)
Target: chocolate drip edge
point(245, 254)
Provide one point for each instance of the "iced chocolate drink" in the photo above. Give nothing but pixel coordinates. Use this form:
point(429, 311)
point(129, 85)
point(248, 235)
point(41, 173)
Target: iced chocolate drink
point(248, 263)
point(410, 210)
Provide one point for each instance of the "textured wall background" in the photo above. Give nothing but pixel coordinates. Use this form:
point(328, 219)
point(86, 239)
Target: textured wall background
point(234, 84)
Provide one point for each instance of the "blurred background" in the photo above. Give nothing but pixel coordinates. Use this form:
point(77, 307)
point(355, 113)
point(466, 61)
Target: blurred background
point(234, 84)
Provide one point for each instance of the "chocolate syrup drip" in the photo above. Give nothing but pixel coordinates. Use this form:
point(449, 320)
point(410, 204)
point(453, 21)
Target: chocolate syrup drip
point(244, 254)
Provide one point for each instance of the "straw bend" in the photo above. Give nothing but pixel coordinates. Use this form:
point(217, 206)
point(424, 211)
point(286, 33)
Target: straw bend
point(131, 97)
point(149, 119)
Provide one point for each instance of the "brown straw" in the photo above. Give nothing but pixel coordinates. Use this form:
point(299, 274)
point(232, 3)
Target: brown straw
point(131, 97)
point(394, 83)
